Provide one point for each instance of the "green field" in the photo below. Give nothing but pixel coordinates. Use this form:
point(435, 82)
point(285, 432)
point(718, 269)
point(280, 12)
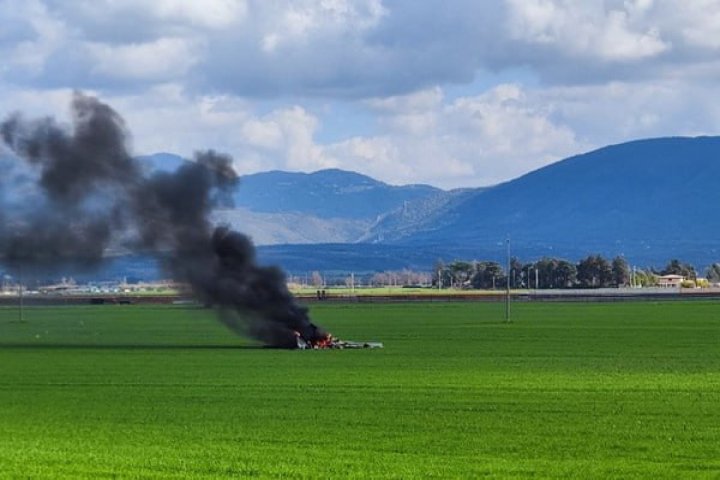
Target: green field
point(565, 391)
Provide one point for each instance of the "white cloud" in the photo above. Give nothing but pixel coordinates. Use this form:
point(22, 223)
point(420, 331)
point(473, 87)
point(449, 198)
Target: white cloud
point(162, 60)
point(208, 13)
point(30, 35)
point(697, 24)
point(587, 29)
point(618, 112)
point(478, 140)
point(171, 121)
point(347, 48)
point(510, 130)
point(262, 134)
point(303, 21)
point(293, 130)
point(126, 21)
point(423, 137)
point(414, 102)
point(256, 78)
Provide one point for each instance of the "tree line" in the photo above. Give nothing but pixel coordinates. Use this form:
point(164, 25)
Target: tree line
point(594, 271)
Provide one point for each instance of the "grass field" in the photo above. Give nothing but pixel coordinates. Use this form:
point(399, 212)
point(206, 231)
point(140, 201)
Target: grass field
point(616, 390)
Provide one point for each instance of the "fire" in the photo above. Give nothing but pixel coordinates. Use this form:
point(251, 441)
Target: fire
point(329, 342)
point(326, 341)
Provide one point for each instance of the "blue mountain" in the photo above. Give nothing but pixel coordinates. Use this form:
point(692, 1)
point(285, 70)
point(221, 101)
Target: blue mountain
point(326, 206)
point(328, 193)
point(650, 200)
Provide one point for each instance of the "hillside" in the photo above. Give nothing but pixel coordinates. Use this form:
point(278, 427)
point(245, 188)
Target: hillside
point(327, 193)
point(291, 227)
point(328, 206)
point(415, 216)
point(651, 199)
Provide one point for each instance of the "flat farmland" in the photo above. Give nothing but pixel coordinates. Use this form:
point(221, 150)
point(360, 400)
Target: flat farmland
point(581, 390)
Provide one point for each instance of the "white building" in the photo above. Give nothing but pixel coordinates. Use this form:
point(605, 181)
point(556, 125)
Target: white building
point(670, 281)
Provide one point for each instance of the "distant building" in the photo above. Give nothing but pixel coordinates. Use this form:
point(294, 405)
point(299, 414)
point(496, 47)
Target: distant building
point(670, 281)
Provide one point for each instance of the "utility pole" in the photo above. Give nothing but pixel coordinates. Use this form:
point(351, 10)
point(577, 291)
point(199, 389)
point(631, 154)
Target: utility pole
point(507, 286)
point(20, 294)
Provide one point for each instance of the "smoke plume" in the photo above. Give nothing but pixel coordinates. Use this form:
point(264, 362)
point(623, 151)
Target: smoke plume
point(81, 191)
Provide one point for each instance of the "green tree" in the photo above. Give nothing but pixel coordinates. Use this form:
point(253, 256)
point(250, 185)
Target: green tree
point(555, 273)
point(488, 275)
point(676, 267)
point(527, 275)
point(645, 278)
point(461, 272)
point(594, 272)
point(566, 274)
point(545, 268)
point(713, 273)
point(620, 272)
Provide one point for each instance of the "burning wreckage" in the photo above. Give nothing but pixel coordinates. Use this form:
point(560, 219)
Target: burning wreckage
point(330, 342)
point(308, 336)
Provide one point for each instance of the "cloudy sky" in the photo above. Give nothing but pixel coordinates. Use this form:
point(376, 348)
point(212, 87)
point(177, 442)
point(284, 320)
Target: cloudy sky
point(447, 92)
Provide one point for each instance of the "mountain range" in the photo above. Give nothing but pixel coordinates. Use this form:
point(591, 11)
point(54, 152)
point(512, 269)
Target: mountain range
point(326, 206)
point(648, 200)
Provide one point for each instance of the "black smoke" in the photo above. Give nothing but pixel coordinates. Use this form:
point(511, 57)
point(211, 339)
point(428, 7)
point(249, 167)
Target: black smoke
point(85, 194)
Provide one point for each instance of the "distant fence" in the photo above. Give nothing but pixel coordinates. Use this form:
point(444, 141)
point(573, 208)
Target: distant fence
point(40, 300)
point(575, 295)
point(587, 295)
